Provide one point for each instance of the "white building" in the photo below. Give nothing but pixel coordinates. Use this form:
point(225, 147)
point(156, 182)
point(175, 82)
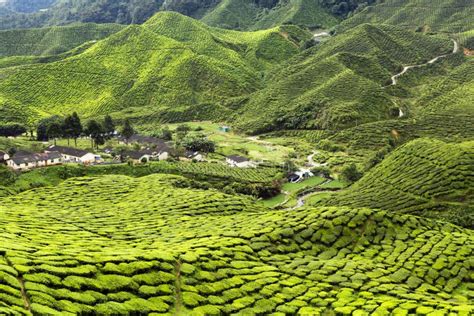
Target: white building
point(193, 155)
point(72, 155)
point(3, 157)
point(30, 161)
point(240, 162)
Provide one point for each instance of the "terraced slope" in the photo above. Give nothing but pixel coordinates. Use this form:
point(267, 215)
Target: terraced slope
point(428, 15)
point(247, 14)
point(424, 177)
point(339, 83)
point(117, 245)
point(235, 14)
point(170, 68)
point(52, 40)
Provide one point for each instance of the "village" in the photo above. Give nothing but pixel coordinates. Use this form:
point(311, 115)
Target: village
point(124, 146)
point(145, 149)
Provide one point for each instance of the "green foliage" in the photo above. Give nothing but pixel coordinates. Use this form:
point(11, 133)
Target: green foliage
point(339, 83)
point(52, 40)
point(199, 143)
point(421, 15)
point(203, 73)
point(210, 253)
point(351, 173)
point(12, 130)
point(424, 177)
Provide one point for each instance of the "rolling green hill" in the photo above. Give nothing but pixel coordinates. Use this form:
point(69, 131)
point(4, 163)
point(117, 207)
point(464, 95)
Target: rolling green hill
point(118, 245)
point(52, 40)
point(424, 177)
point(425, 15)
point(170, 68)
point(247, 14)
point(339, 83)
point(235, 14)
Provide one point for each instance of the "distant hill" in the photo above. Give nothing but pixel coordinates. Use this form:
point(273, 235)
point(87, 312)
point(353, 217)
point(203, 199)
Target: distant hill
point(424, 177)
point(235, 14)
point(52, 40)
point(27, 6)
point(422, 15)
point(340, 82)
point(170, 68)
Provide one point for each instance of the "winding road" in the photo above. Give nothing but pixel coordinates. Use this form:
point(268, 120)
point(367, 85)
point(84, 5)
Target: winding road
point(406, 68)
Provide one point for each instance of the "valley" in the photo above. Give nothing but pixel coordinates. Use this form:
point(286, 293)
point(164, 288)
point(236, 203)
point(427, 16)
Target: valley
point(236, 157)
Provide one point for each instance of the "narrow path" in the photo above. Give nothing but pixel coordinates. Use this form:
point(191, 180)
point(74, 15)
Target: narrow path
point(178, 295)
point(406, 68)
point(19, 277)
point(302, 198)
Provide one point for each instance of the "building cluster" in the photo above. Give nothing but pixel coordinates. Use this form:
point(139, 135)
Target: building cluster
point(53, 155)
point(150, 149)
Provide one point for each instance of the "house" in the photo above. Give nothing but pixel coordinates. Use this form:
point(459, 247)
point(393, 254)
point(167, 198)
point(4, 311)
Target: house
point(299, 175)
point(138, 156)
point(160, 148)
point(75, 155)
point(224, 129)
point(31, 161)
point(3, 157)
point(240, 162)
point(193, 155)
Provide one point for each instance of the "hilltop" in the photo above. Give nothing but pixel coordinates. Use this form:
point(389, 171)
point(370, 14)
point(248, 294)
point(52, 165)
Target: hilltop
point(69, 250)
point(425, 177)
point(170, 68)
point(450, 16)
point(340, 82)
point(235, 14)
point(52, 40)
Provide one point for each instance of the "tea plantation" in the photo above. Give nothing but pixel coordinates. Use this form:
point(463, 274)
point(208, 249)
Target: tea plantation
point(425, 177)
point(115, 245)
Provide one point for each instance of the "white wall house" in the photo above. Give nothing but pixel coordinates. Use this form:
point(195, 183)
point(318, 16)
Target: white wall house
point(240, 162)
point(193, 155)
point(3, 157)
point(74, 155)
point(31, 161)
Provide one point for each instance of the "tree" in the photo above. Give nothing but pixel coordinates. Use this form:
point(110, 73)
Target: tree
point(166, 134)
point(43, 125)
point(109, 126)
point(127, 130)
point(12, 130)
point(6, 175)
point(67, 128)
point(289, 166)
point(96, 133)
point(76, 127)
point(199, 143)
point(54, 131)
point(351, 173)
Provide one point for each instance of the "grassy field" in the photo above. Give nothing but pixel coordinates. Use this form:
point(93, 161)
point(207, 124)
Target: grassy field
point(79, 248)
point(232, 142)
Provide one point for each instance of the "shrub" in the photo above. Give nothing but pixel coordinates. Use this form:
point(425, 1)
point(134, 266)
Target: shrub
point(351, 173)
